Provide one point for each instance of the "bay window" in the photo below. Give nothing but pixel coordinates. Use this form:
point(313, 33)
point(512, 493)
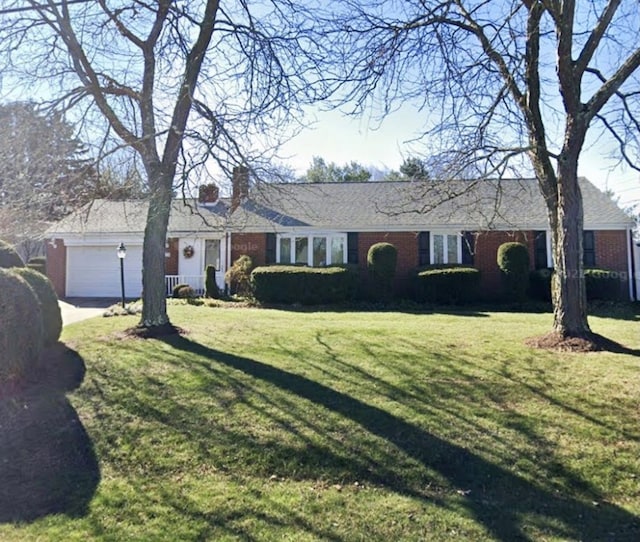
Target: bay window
point(316, 250)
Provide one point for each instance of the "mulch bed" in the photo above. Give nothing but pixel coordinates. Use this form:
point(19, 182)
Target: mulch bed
point(591, 343)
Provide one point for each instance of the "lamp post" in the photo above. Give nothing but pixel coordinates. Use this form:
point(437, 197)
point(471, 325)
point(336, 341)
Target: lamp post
point(122, 252)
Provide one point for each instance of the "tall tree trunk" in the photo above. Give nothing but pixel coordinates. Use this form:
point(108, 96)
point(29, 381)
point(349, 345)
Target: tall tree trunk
point(154, 302)
point(568, 288)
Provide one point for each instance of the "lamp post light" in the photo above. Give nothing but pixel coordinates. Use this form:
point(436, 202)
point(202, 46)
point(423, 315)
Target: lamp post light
point(122, 252)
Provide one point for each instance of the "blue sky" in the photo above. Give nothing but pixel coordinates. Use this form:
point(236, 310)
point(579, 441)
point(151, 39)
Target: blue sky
point(341, 139)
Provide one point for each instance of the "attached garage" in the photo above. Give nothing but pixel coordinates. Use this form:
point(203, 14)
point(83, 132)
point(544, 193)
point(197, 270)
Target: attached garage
point(94, 271)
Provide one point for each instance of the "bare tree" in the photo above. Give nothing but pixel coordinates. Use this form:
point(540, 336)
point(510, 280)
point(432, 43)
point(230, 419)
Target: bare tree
point(144, 66)
point(499, 81)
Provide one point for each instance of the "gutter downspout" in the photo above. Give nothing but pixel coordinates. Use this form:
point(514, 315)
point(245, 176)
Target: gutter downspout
point(633, 285)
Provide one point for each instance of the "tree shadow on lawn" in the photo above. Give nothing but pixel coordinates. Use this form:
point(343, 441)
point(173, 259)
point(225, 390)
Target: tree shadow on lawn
point(497, 498)
point(47, 461)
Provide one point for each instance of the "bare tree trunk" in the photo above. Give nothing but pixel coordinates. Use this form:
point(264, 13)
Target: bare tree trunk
point(568, 288)
point(154, 302)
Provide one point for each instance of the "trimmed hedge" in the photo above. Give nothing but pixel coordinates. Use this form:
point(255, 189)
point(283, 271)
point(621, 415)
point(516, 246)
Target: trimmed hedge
point(51, 316)
point(305, 285)
point(601, 284)
point(513, 261)
point(9, 257)
point(20, 328)
point(447, 285)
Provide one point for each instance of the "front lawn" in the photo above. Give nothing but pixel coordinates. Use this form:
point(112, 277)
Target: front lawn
point(274, 425)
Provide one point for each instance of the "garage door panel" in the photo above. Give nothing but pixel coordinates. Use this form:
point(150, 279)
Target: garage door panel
point(94, 271)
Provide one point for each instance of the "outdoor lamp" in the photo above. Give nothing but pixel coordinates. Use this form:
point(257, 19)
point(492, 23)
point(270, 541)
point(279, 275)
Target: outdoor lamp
point(122, 252)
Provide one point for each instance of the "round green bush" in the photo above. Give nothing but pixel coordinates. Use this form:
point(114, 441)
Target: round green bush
point(184, 291)
point(21, 336)
point(51, 316)
point(513, 261)
point(9, 257)
point(382, 259)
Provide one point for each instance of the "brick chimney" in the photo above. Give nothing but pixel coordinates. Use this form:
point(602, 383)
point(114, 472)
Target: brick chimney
point(208, 194)
point(240, 186)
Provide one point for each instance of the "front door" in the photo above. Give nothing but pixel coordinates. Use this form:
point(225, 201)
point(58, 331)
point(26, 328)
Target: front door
point(212, 253)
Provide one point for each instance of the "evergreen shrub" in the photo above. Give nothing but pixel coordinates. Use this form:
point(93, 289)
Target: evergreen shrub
point(9, 257)
point(305, 285)
point(447, 285)
point(21, 336)
point(51, 315)
point(210, 284)
point(382, 259)
point(513, 261)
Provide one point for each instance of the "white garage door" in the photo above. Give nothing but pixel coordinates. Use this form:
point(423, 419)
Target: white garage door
point(95, 272)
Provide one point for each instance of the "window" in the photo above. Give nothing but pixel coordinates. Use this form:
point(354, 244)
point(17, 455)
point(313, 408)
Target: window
point(316, 250)
point(540, 250)
point(446, 248)
point(319, 251)
point(588, 248)
point(302, 250)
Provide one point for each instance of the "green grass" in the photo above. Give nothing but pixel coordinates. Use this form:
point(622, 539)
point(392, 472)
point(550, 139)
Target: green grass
point(274, 425)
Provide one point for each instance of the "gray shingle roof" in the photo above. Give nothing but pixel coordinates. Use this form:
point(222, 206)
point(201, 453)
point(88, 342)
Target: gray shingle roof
point(370, 206)
point(104, 217)
point(506, 204)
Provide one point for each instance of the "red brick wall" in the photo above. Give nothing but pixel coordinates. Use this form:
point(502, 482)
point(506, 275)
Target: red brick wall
point(57, 266)
point(171, 258)
point(611, 250)
point(252, 244)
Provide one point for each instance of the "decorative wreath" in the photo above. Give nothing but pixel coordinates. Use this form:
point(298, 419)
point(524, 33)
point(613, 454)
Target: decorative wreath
point(188, 251)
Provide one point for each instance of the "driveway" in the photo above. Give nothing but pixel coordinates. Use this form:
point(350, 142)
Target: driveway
point(76, 309)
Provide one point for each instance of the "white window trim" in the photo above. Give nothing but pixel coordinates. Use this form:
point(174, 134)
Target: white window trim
point(309, 236)
point(445, 242)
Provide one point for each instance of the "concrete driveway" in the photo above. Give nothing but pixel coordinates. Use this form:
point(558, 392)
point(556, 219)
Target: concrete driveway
point(76, 309)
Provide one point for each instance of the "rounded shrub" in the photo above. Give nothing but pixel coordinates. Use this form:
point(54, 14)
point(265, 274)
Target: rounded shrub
point(382, 259)
point(51, 316)
point(20, 328)
point(513, 261)
point(210, 284)
point(9, 257)
point(183, 291)
point(447, 285)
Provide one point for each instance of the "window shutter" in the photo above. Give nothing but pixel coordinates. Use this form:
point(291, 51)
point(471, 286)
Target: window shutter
point(424, 256)
point(352, 247)
point(468, 247)
point(588, 248)
point(270, 253)
point(540, 249)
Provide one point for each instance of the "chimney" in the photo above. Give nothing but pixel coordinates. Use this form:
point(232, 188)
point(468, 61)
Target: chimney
point(240, 186)
point(208, 194)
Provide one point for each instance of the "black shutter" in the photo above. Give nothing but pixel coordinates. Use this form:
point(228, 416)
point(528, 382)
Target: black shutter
point(540, 249)
point(588, 248)
point(468, 247)
point(270, 254)
point(352, 247)
point(424, 255)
